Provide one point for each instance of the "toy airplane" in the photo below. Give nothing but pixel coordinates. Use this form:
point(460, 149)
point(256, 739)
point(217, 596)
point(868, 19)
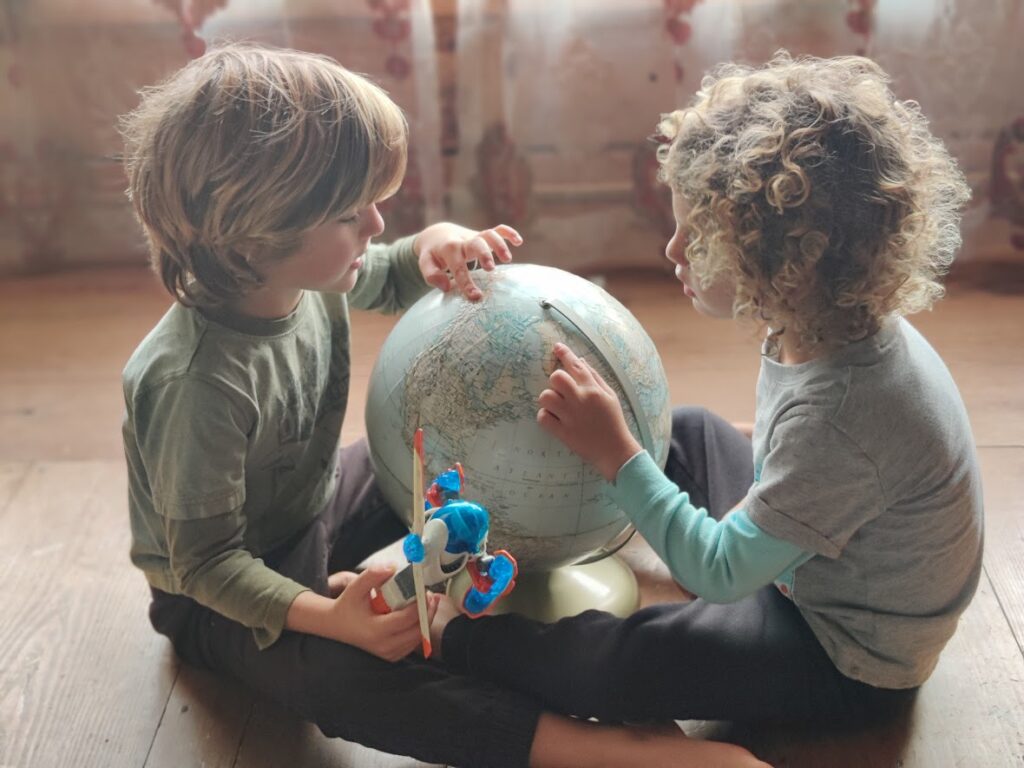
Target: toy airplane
point(448, 534)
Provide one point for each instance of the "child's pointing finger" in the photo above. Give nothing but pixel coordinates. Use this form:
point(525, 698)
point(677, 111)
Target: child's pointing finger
point(575, 366)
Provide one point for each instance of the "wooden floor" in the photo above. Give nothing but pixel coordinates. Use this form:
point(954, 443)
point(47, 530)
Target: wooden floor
point(84, 681)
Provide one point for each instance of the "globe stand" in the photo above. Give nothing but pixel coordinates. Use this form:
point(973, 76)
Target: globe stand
point(547, 596)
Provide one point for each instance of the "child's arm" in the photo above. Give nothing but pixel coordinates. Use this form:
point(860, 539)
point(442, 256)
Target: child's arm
point(213, 567)
point(193, 442)
point(189, 437)
point(210, 564)
point(717, 560)
point(394, 276)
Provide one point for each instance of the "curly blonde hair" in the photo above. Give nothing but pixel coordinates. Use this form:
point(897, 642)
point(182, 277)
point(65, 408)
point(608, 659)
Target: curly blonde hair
point(827, 200)
point(235, 157)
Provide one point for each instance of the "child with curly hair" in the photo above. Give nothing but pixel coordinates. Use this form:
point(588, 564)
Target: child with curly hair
point(833, 557)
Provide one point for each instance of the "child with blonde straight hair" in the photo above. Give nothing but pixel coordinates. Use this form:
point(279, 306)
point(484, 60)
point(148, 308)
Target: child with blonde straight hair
point(256, 174)
point(833, 557)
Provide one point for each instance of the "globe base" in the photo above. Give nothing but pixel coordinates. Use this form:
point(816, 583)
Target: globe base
point(547, 596)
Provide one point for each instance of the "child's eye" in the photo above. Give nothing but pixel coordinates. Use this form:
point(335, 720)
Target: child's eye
point(349, 219)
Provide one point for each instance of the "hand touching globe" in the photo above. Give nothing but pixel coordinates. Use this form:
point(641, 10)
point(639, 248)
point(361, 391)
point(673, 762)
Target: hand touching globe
point(470, 373)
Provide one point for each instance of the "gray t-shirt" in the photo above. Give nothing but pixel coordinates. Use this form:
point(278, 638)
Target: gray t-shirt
point(866, 458)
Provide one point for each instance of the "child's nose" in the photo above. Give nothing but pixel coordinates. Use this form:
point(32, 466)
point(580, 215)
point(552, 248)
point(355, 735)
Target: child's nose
point(374, 222)
point(675, 251)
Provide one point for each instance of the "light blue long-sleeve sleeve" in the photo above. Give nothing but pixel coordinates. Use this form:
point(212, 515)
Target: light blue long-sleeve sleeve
point(720, 561)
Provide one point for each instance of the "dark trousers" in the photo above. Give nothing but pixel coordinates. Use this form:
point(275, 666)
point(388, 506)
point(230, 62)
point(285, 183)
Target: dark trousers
point(752, 660)
point(411, 707)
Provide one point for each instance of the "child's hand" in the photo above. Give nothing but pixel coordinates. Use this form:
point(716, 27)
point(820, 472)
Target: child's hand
point(581, 410)
point(448, 248)
point(391, 636)
point(338, 581)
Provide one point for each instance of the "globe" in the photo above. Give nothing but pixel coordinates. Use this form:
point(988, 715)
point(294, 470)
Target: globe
point(469, 374)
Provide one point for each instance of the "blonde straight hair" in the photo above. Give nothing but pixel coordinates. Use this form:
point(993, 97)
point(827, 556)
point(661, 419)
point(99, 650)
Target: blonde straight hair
point(235, 157)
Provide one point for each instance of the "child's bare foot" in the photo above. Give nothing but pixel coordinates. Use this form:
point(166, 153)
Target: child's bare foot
point(446, 611)
point(560, 742)
point(696, 752)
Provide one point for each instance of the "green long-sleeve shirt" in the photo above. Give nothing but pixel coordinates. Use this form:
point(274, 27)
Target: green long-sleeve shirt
point(230, 433)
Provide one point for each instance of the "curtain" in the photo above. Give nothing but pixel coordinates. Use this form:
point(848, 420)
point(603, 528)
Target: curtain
point(69, 68)
point(537, 113)
point(556, 104)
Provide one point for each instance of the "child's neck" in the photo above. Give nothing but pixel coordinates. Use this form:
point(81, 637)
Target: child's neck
point(267, 304)
point(793, 353)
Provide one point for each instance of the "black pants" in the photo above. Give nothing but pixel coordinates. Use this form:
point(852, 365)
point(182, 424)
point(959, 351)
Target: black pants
point(411, 707)
point(752, 660)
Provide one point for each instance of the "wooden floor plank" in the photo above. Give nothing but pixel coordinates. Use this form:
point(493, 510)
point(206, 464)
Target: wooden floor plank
point(971, 709)
point(967, 714)
point(83, 679)
point(980, 335)
point(1003, 477)
point(60, 390)
point(12, 474)
point(203, 722)
point(49, 421)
